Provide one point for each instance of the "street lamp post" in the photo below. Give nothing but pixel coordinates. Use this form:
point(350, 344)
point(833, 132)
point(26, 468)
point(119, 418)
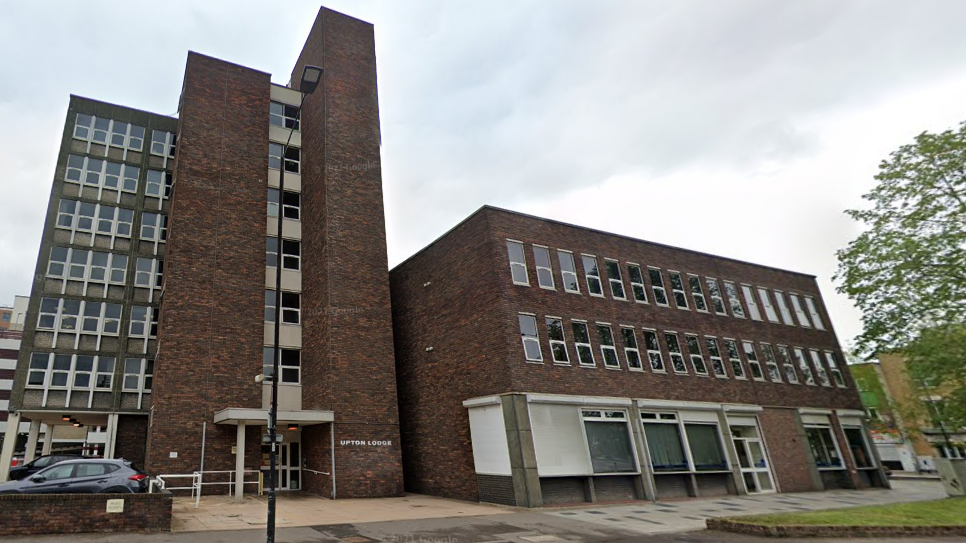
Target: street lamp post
point(311, 77)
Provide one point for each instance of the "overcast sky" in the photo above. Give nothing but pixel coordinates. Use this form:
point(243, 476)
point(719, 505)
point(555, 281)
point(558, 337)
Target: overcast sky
point(741, 128)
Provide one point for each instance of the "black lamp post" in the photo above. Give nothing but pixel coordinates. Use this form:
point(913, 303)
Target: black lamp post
point(311, 77)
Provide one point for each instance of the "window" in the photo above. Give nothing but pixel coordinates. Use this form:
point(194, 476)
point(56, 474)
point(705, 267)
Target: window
point(783, 308)
point(614, 277)
point(159, 184)
point(858, 447)
point(677, 290)
point(290, 364)
point(664, 444)
point(813, 311)
point(697, 293)
point(786, 359)
point(716, 300)
point(732, 347)
point(518, 263)
point(140, 317)
point(154, 226)
point(592, 275)
point(83, 367)
point(608, 441)
point(292, 155)
point(771, 364)
point(104, 131)
point(138, 375)
point(717, 365)
point(70, 372)
point(819, 368)
point(541, 257)
point(558, 341)
point(163, 143)
point(872, 413)
point(291, 202)
point(770, 313)
point(568, 271)
point(147, 272)
point(824, 449)
point(705, 445)
point(531, 342)
point(674, 349)
point(80, 265)
point(694, 351)
point(104, 376)
point(799, 313)
point(283, 115)
point(72, 215)
point(751, 302)
point(39, 366)
point(657, 285)
point(753, 363)
point(803, 366)
point(637, 283)
point(833, 366)
point(291, 253)
point(733, 300)
point(585, 354)
point(49, 310)
point(605, 336)
point(631, 354)
point(290, 307)
point(653, 351)
point(101, 173)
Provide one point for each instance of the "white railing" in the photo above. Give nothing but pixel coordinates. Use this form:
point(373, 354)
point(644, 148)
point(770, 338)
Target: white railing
point(161, 482)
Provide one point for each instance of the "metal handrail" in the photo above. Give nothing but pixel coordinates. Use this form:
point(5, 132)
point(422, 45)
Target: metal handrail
point(161, 482)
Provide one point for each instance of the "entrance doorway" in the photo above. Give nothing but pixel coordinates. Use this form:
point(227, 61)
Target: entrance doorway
point(288, 472)
point(751, 459)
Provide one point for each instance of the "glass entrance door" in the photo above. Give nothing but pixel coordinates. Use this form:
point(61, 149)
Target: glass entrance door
point(752, 460)
point(288, 472)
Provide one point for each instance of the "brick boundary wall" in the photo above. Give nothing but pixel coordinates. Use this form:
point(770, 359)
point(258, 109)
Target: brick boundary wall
point(33, 514)
point(760, 530)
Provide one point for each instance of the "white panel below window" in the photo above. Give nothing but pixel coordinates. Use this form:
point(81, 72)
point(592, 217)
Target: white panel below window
point(488, 433)
point(821, 420)
point(698, 416)
point(558, 440)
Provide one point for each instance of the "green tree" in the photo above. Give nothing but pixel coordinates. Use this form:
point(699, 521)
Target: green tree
point(936, 366)
point(906, 271)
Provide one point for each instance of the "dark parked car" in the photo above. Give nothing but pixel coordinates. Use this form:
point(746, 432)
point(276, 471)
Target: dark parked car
point(24, 470)
point(83, 476)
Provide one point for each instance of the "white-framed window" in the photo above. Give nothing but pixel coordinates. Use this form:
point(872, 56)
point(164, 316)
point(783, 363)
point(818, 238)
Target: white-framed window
point(154, 226)
point(825, 449)
point(141, 319)
point(697, 293)
point(803, 365)
point(657, 286)
point(88, 217)
point(615, 279)
point(682, 446)
point(734, 358)
point(714, 354)
point(159, 184)
point(70, 372)
point(771, 363)
point(732, 291)
point(585, 353)
point(291, 253)
point(558, 341)
point(609, 441)
point(608, 349)
point(138, 375)
point(101, 173)
point(750, 301)
point(653, 346)
point(674, 351)
point(518, 263)
point(101, 318)
point(770, 312)
point(677, 290)
point(631, 353)
point(85, 265)
point(813, 311)
point(716, 300)
point(290, 307)
point(531, 341)
point(104, 375)
point(292, 157)
point(819, 368)
point(786, 313)
point(694, 352)
point(283, 115)
point(163, 143)
point(541, 258)
point(291, 204)
point(637, 283)
point(753, 363)
point(799, 312)
point(289, 365)
point(88, 317)
point(833, 366)
point(107, 131)
point(592, 275)
point(148, 272)
point(787, 364)
point(568, 271)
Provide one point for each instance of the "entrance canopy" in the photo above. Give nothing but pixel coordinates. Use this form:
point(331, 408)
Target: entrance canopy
point(257, 417)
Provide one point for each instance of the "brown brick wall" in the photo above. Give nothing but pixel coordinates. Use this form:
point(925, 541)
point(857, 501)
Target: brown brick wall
point(132, 435)
point(32, 514)
point(787, 448)
point(211, 329)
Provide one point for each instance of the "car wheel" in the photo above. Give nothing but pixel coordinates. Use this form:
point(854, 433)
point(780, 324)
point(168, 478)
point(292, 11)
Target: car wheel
point(117, 490)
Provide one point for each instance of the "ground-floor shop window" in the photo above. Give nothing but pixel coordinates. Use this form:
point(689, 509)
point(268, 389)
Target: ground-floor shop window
point(608, 441)
point(823, 446)
point(859, 448)
point(676, 446)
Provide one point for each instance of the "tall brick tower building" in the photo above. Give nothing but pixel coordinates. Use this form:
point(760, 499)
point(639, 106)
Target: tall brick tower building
point(207, 253)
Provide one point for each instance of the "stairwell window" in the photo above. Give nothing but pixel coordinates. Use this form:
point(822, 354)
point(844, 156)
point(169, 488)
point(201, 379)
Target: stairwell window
point(637, 283)
point(541, 257)
point(568, 271)
point(290, 307)
point(291, 203)
point(283, 115)
point(291, 253)
point(518, 263)
point(290, 365)
point(531, 341)
point(592, 275)
point(292, 157)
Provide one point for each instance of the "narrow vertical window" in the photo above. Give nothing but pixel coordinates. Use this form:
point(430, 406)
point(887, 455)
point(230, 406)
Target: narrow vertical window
point(694, 351)
point(615, 279)
point(751, 302)
point(531, 342)
point(799, 312)
point(732, 291)
point(585, 354)
point(787, 364)
point(677, 290)
point(541, 257)
point(783, 308)
point(653, 347)
point(568, 271)
point(657, 285)
point(558, 341)
point(631, 353)
point(771, 364)
point(770, 313)
point(803, 366)
point(813, 311)
point(717, 364)
point(592, 274)
point(716, 300)
point(518, 263)
point(637, 283)
point(833, 366)
point(753, 363)
point(819, 368)
point(697, 293)
point(674, 349)
point(733, 357)
point(608, 350)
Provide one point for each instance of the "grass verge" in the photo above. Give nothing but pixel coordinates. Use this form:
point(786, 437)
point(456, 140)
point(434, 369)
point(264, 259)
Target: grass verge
point(947, 512)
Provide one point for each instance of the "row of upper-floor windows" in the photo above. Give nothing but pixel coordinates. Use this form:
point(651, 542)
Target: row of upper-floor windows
point(101, 173)
point(100, 267)
point(707, 355)
point(83, 372)
point(109, 220)
point(95, 318)
point(124, 135)
point(648, 284)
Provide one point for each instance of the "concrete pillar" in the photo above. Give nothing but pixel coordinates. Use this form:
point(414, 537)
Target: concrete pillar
point(647, 489)
point(240, 463)
point(523, 455)
point(32, 437)
point(9, 444)
point(109, 444)
point(48, 439)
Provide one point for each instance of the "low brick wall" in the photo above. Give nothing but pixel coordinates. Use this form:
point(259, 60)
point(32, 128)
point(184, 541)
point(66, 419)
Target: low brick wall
point(31, 514)
point(760, 530)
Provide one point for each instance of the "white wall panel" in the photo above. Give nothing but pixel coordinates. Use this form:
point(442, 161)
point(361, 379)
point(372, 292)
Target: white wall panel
point(559, 440)
point(488, 433)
